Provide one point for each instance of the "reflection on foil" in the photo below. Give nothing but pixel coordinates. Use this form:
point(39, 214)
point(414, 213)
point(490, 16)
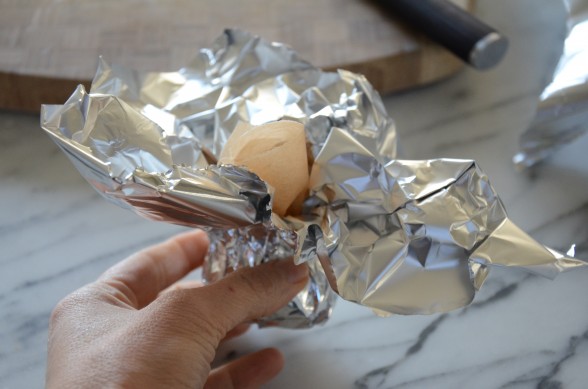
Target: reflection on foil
point(398, 236)
point(562, 112)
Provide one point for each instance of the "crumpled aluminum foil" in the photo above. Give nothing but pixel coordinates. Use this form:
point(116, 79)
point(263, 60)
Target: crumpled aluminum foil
point(398, 236)
point(562, 111)
point(416, 237)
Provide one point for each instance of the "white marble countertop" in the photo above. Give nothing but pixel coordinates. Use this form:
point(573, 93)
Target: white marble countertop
point(521, 331)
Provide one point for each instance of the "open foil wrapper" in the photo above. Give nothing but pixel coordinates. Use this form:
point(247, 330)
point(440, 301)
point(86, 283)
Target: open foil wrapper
point(408, 237)
point(562, 111)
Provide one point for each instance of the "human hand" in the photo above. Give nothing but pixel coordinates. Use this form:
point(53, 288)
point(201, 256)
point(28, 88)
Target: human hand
point(122, 331)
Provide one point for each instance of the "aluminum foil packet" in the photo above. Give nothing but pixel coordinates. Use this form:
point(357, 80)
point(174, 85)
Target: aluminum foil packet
point(406, 237)
point(562, 111)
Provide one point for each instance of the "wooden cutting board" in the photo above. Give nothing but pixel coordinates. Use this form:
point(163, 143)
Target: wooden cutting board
point(47, 47)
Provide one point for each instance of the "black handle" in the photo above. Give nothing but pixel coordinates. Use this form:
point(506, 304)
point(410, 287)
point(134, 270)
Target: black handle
point(447, 24)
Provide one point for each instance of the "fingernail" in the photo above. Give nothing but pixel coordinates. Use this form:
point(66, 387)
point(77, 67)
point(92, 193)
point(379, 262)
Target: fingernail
point(297, 273)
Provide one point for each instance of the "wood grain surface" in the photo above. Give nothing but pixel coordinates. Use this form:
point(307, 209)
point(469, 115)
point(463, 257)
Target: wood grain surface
point(47, 47)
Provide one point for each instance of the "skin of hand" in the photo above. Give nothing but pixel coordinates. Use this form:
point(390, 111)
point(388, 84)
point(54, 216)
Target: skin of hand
point(137, 327)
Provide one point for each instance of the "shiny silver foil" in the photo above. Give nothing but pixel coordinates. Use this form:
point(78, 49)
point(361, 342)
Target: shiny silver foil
point(415, 237)
point(408, 237)
point(562, 111)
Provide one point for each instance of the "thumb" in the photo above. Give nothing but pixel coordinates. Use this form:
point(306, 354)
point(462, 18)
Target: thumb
point(246, 294)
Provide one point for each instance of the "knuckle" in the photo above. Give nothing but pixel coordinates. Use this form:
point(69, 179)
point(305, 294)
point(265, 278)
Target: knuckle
point(73, 304)
point(60, 311)
point(65, 307)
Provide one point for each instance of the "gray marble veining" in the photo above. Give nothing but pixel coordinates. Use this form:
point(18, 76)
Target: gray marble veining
point(521, 331)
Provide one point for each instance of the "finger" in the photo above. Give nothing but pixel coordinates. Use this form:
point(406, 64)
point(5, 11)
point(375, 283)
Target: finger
point(142, 276)
point(244, 295)
point(249, 371)
point(239, 330)
point(188, 284)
